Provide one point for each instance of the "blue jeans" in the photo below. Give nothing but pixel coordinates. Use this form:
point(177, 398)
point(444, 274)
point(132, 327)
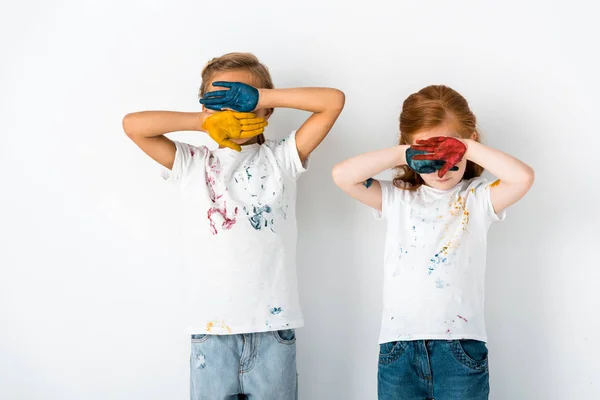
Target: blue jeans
point(258, 366)
point(433, 369)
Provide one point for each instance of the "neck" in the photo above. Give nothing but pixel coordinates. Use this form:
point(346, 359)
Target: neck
point(250, 141)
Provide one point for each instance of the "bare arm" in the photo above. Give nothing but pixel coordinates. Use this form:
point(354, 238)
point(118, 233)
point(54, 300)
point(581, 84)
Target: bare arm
point(326, 105)
point(515, 177)
point(353, 176)
point(147, 129)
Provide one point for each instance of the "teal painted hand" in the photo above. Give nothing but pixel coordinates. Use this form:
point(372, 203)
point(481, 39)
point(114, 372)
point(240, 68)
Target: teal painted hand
point(424, 166)
point(240, 97)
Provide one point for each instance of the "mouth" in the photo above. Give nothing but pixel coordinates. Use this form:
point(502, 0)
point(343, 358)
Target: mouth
point(443, 180)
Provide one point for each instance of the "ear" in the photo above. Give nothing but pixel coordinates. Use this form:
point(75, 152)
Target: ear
point(475, 136)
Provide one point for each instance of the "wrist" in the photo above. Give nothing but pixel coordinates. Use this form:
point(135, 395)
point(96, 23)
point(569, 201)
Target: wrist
point(469, 147)
point(200, 118)
point(402, 153)
point(264, 98)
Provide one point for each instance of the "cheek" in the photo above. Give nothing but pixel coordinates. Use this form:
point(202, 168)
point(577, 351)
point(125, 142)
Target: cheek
point(260, 113)
point(428, 177)
point(462, 165)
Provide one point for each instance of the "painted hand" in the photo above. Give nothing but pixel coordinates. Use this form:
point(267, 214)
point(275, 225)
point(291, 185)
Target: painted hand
point(227, 125)
point(239, 97)
point(444, 148)
point(424, 166)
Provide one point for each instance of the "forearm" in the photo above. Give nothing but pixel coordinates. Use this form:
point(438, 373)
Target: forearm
point(357, 170)
point(313, 100)
point(504, 166)
point(147, 124)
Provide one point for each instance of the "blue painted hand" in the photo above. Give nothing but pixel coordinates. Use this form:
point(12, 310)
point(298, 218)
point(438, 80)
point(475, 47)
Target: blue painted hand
point(424, 166)
point(239, 97)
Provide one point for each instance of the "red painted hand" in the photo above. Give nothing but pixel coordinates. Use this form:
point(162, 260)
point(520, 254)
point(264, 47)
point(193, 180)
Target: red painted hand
point(445, 148)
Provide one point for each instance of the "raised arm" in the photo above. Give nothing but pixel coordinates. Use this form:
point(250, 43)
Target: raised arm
point(515, 177)
point(353, 176)
point(147, 130)
point(326, 104)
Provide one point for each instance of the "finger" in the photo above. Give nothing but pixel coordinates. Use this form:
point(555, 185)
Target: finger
point(231, 145)
point(430, 157)
point(250, 134)
point(252, 121)
point(244, 115)
point(444, 170)
point(422, 147)
point(213, 101)
point(435, 139)
point(254, 127)
point(430, 142)
point(423, 142)
point(216, 93)
point(223, 84)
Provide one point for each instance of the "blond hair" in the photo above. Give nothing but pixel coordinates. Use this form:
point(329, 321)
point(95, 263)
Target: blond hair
point(238, 61)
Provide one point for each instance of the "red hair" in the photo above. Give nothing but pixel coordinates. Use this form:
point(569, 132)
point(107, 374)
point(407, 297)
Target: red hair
point(430, 107)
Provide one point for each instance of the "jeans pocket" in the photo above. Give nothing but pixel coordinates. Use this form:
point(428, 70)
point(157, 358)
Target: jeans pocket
point(200, 338)
point(472, 354)
point(285, 336)
point(391, 351)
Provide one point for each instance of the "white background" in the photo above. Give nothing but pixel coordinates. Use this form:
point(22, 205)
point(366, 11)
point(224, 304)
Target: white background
point(91, 301)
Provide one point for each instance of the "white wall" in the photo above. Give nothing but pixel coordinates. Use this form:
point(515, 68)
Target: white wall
point(91, 303)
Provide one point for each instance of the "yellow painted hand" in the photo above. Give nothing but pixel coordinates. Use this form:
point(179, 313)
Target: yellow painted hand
point(226, 125)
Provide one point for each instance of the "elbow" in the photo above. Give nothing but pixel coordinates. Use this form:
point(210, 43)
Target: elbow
point(336, 99)
point(337, 174)
point(129, 125)
point(529, 177)
point(524, 180)
point(339, 100)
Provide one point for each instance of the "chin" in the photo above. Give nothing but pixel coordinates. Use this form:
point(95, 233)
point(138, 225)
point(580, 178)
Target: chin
point(241, 141)
point(444, 183)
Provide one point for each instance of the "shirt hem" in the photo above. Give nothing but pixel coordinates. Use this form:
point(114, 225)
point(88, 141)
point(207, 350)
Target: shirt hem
point(252, 329)
point(441, 336)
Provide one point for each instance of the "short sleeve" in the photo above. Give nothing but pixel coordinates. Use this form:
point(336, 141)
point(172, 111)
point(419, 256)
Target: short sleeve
point(390, 196)
point(481, 189)
point(286, 152)
point(185, 156)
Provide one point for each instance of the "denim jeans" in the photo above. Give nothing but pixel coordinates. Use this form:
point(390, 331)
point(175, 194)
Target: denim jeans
point(433, 369)
point(258, 366)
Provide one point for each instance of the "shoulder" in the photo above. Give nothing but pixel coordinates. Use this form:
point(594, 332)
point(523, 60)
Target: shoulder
point(476, 185)
point(190, 150)
point(397, 190)
point(277, 143)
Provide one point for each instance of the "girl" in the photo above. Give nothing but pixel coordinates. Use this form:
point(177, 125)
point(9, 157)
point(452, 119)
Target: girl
point(432, 340)
point(242, 197)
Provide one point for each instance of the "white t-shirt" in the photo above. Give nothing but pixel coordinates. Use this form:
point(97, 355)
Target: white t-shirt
point(241, 224)
point(434, 264)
